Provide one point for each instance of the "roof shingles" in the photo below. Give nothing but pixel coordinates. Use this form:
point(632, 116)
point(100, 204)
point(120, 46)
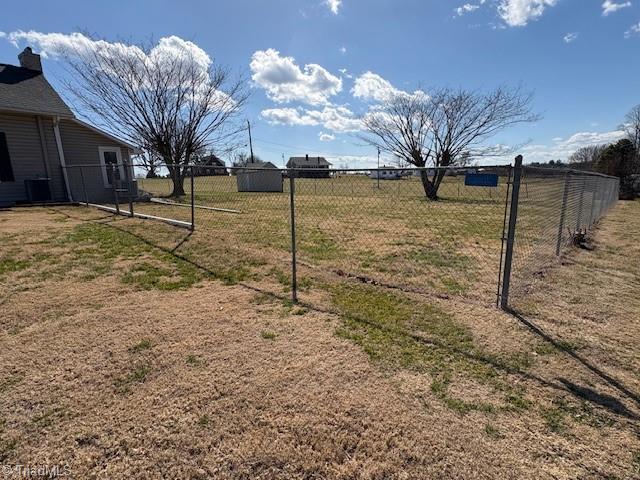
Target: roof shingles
point(25, 90)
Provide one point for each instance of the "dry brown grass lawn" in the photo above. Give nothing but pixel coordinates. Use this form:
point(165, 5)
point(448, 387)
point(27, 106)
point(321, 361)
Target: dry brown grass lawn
point(124, 361)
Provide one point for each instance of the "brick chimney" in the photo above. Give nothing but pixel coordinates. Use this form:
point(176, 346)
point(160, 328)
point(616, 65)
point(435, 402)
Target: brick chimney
point(30, 60)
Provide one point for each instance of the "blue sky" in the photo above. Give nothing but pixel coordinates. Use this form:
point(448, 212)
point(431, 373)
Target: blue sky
point(580, 57)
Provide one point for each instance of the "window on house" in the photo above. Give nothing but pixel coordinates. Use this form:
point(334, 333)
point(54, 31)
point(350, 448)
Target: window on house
point(111, 165)
point(6, 171)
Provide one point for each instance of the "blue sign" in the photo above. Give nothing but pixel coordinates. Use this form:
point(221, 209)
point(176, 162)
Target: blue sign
point(481, 179)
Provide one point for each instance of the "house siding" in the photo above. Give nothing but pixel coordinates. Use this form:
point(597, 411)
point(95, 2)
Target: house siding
point(27, 160)
point(58, 189)
point(81, 147)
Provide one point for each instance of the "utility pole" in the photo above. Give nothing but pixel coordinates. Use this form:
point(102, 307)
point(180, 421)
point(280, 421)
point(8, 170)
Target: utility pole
point(378, 173)
point(250, 142)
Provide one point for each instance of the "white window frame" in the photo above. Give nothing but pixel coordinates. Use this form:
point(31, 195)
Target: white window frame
point(105, 177)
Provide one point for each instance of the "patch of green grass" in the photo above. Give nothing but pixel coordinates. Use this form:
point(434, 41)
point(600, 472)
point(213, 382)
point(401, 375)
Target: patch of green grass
point(290, 308)
point(284, 279)
point(545, 348)
point(194, 360)
point(95, 248)
point(399, 332)
point(96, 239)
point(568, 346)
point(516, 401)
point(441, 258)
point(492, 431)
point(144, 344)
point(9, 264)
point(635, 461)
point(204, 420)
point(453, 286)
point(46, 418)
point(268, 335)
point(317, 244)
point(177, 275)
point(554, 418)
point(298, 310)
point(561, 412)
point(137, 375)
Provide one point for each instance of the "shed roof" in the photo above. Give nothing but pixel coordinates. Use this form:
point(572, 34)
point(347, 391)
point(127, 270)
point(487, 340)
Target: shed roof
point(27, 91)
point(307, 162)
point(260, 164)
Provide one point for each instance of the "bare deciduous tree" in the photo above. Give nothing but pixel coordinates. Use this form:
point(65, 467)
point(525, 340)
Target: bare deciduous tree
point(446, 128)
point(170, 102)
point(631, 127)
point(586, 156)
point(402, 127)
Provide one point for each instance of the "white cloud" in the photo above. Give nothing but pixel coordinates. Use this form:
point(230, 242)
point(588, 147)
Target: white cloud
point(334, 5)
point(561, 149)
point(284, 81)
point(371, 86)
point(77, 44)
point(336, 119)
point(345, 72)
point(326, 137)
point(609, 6)
point(518, 13)
point(633, 31)
point(160, 57)
point(466, 8)
point(62, 44)
point(287, 116)
point(2, 34)
point(570, 37)
point(343, 49)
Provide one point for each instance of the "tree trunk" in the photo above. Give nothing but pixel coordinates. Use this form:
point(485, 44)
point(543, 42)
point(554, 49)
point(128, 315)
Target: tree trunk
point(430, 190)
point(177, 178)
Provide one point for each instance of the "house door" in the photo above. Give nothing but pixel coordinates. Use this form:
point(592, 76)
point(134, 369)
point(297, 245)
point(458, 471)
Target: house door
point(111, 165)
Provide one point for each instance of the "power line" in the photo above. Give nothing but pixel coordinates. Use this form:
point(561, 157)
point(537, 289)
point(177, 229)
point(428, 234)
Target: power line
point(309, 149)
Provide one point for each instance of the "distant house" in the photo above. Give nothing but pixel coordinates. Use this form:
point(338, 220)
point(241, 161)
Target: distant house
point(387, 173)
point(41, 140)
point(210, 166)
point(311, 167)
point(259, 177)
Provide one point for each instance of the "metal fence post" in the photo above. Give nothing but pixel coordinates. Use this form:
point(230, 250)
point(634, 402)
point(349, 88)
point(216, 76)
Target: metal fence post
point(511, 233)
point(84, 187)
point(580, 204)
point(292, 203)
point(563, 212)
point(504, 232)
point(114, 187)
point(592, 215)
point(128, 183)
point(193, 202)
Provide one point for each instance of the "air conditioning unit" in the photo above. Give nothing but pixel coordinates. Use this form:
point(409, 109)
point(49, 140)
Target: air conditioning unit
point(38, 190)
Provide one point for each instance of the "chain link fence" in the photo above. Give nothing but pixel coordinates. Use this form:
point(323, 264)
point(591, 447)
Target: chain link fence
point(549, 210)
point(300, 230)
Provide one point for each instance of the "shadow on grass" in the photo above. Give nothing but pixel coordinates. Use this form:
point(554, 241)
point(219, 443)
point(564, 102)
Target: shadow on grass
point(583, 393)
point(606, 401)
